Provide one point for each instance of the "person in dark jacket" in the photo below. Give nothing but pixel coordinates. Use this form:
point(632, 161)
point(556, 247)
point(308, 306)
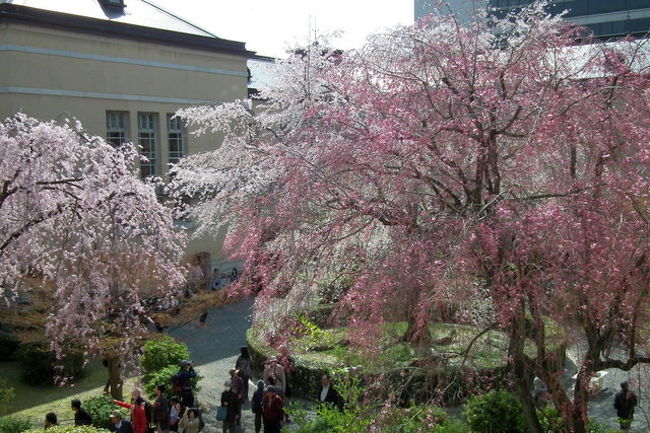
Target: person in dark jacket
point(230, 400)
point(624, 403)
point(256, 405)
point(327, 393)
point(119, 425)
point(244, 366)
point(81, 417)
point(182, 383)
point(160, 410)
point(272, 410)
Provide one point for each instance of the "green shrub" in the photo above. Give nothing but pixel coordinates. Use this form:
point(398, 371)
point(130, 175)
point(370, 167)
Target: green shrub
point(495, 412)
point(71, 429)
point(160, 353)
point(37, 363)
point(164, 377)
point(99, 408)
point(14, 424)
point(6, 394)
point(452, 426)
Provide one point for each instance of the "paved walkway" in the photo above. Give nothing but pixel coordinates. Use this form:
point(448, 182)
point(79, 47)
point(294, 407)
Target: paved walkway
point(601, 405)
point(215, 347)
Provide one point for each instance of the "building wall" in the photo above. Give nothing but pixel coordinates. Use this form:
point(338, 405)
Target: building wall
point(57, 74)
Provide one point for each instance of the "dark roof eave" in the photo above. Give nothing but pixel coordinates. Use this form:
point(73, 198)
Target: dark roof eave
point(26, 15)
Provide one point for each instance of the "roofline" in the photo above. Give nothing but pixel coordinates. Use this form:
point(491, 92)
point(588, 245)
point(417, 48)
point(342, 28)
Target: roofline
point(171, 14)
point(263, 58)
point(57, 20)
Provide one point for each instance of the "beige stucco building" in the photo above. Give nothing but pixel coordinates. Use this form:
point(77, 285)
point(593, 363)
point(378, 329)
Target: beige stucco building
point(122, 67)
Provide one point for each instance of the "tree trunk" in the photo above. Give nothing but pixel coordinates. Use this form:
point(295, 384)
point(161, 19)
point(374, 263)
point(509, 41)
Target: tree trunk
point(419, 338)
point(115, 378)
point(523, 376)
point(580, 399)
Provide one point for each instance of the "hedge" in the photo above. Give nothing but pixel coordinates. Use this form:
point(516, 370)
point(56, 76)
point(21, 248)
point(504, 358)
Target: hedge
point(71, 429)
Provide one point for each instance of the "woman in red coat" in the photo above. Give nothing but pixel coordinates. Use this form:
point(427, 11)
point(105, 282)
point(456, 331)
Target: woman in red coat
point(138, 415)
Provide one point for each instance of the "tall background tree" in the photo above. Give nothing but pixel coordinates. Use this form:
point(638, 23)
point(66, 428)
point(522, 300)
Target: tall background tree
point(494, 173)
point(77, 224)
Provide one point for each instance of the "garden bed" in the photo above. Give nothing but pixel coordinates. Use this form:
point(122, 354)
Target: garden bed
point(446, 364)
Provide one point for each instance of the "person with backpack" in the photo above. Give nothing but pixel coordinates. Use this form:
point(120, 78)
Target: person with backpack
point(256, 405)
point(624, 403)
point(272, 410)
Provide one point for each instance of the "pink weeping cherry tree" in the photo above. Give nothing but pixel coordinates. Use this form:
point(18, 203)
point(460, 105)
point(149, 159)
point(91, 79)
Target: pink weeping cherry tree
point(78, 223)
point(494, 173)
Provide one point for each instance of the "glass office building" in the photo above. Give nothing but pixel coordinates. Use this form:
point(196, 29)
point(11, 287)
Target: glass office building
point(606, 18)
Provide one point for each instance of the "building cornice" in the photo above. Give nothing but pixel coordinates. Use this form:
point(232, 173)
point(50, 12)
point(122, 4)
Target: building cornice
point(11, 13)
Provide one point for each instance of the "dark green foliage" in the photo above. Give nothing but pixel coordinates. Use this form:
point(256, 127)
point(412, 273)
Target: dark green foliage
point(6, 394)
point(38, 364)
point(9, 345)
point(495, 412)
point(99, 408)
point(164, 377)
point(14, 424)
point(160, 353)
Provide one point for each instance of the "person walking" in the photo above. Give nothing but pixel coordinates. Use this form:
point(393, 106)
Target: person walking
point(160, 410)
point(244, 366)
point(624, 403)
point(274, 372)
point(272, 410)
point(256, 405)
point(230, 400)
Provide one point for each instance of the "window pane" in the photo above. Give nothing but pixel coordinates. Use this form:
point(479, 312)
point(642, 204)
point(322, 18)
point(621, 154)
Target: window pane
point(175, 138)
point(117, 127)
point(147, 126)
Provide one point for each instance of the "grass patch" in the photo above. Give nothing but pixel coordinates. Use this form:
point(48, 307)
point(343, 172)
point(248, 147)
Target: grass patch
point(34, 402)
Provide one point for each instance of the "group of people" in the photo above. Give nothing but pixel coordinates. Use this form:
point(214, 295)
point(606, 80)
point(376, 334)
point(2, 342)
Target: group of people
point(219, 281)
point(179, 414)
point(268, 399)
point(267, 402)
